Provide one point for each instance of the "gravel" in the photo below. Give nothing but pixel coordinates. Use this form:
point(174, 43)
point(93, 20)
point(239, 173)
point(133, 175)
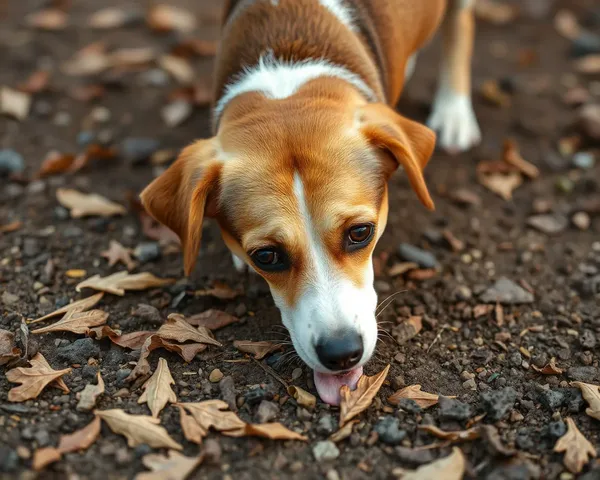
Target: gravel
point(497, 403)
point(11, 162)
point(506, 292)
point(325, 451)
point(410, 253)
point(451, 409)
point(388, 429)
point(79, 351)
point(583, 374)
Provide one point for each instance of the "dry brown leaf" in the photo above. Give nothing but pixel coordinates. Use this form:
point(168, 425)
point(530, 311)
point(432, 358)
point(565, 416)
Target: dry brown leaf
point(401, 268)
point(577, 448)
point(481, 310)
point(99, 333)
point(44, 457)
point(566, 24)
point(54, 163)
point(407, 330)
point(192, 431)
point(167, 18)
point(589, 64)
point(356, 401)
point(591, 394)
point(502, 185)
point(131, 57)
point(10, 227)
point(8, 349)
point(78, 306)
point(157, 390)
point(495, 12)
point(214, 414)
point(76, 322)
point(304, 398)
point(34, 379)
point(133, 340)
point(118, 253)
point(413, 392)
point(493, 94)
point(550, 368)
point(138, 429)
point(83, 205)
point(174, 467)
point(454, 436)
point(451, 467)
point(258, 349)
point(273, 431)
point(179, 68)
point(14, 104)
point(90, 60)
point(512, 156)
point(48, 19)
point(108, 18)
point(36, 83)
point(212, 319)
point(176, 328)
point(119, 282)
point(89, 395)
point(195, 46)
point(219, 290)
point(344, 432)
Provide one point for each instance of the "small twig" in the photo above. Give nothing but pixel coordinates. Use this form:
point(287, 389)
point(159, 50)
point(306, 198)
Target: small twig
point(431, 446)
point(271, 372)
point(437, 337)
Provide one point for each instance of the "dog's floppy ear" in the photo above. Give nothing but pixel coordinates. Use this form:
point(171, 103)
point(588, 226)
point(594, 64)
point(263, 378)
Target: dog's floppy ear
point(410, 143)
point(184, 193)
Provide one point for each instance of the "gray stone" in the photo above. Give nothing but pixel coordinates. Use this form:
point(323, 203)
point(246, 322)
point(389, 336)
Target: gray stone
point(325, 451)
point(510, 472)
point(388, 429)
point(584, 160)
point(326, 425)
point(147, 251)
point(550, 224)
point(8, 298)
point(452, 409)
point(412, 456)
point(11, 162)
point(267, 411)
point(553, 399)
point(139, 149)
point(9, 459)
point(555, 430)
point(42, 437)
point(587, 339)
point(410, 253)
point(506, 292)
point(79, 351)
point(122, 374)
point(497, 403)
point(228, 392)
point(409, 405)
point(255, 396)
point(523, 439)
point(583, 374)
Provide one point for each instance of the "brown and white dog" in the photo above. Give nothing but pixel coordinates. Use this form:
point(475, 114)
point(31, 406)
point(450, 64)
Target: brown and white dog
point(306, 138)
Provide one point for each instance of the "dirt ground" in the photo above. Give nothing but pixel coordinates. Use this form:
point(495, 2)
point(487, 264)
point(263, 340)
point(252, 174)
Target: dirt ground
point(461, 351)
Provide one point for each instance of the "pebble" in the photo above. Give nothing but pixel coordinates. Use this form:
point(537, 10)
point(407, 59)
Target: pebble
point(215, 376)
point(553, 399)
point(42, 437)
point(100, 114)
point(409, 405)
point(85, 138)
point(139, 149)
point(332, 475)
point(470, 384)
point(155, 77)
point(583, 374)
point(452, 409)
point(142, 450)
point(461, 293)
point(228, 392)
point(123, 456)
point(11, 162)
point(147, 251)
point(581, 220)
point(388, 429)
point(412, 456)
point(557, 429)
point(497, 403)
point(9, 459)
point(267, 411)
point(62, 119)
point(255, 396)
point(587, 339)
point(589, 119)
point(325, 451)
point(326, 425)
point(122, 374)
point(175, 113)
point(523, 439)
point(584, 160)
point(13, 190)
point(550, 224)
point(506, 292)
point(410, 253)
point(9, 298)
point(79, 351)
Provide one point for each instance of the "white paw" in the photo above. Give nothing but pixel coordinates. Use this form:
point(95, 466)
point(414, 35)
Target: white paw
point(452, 117)
point(239, 264)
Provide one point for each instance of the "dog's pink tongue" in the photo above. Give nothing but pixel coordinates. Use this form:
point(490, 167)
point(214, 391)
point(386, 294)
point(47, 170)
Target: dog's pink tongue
point(328, 385)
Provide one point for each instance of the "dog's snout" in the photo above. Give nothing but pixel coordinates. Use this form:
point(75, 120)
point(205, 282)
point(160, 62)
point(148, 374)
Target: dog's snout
point(340, 352)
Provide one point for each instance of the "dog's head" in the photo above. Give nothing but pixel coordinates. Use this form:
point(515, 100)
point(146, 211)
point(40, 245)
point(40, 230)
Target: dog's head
point(300, 194)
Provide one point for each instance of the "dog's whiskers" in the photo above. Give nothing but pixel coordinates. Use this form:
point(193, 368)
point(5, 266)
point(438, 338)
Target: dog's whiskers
point(388, 301)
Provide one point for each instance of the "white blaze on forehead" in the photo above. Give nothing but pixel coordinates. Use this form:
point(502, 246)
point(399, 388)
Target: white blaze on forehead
point(342, 12)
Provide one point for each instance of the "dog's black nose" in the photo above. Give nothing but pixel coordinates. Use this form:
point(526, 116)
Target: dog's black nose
point(341, 351)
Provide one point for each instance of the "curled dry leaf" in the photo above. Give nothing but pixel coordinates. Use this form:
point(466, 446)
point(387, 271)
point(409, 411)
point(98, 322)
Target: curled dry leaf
point(502, 185)
point(219, 290)
point(356, 401)
point(176, 328)
point(451, 467)
point(591, 394)
point(36, 83)
point(133, 340)
point(34, 379)
point(118, 253)
point(8, 349)
point(44, 457)
point(212, 319)
point(83, 205)
point(138, 429)
point(401, 268)
point(273, 431)
point(259, 349)
point(549, 369)
point(14, 104)
point(76, 322)
point(344, 432)
point(55, 162)
point(512, 156)
point(192, 431)
point(48, 19)
point(119, 282)
point(304, 398)
point(167, 18)
point(455, 436)
point(157, 390)
point(413, 392)
point(214, 414)
point(174, 467)
point(10, 227)
point(577, 448)
point(89, 395)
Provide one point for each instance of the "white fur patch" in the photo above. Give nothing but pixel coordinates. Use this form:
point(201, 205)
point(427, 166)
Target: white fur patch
point(341, 11)
point(280, 79)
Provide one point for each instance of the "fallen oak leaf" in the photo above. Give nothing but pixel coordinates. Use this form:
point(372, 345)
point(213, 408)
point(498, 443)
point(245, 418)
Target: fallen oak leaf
point(174, 467)
point(99, 333)
point(81, 439)
point(157, 389)
point(453, 436)
point(133, 340)
point(219, 290)
point(413, 392)
point(176, 328)
point(259, 349)
point(214, 414)
point(502, 185)
point(43, 457)
point(76, 322)
point(512, 156)
point(591, 394)
point(118, 253)
point(212, 319)
point(273, 431)
point(549, 369)
point(34, 379)
point(8, 349)
point(55, 162)
point(89, 395)
point(78, 306)
point(119, 282)
point(356, 401)
point(577, 448)
point(138, 429)
point(304, 398)
point(451, 467)
point(344, 432)
point(192, 430)
point(83, 205)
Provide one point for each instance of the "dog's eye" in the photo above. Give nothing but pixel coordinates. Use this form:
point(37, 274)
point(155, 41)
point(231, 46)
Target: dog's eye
point(270, 259)
point(359, 236)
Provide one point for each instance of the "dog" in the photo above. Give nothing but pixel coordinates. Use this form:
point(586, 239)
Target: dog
point(305, 140)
